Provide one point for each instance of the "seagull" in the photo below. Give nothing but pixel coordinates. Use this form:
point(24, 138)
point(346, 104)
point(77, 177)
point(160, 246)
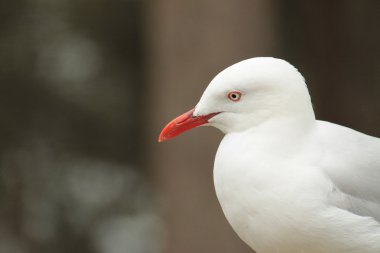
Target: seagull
point(287, 183)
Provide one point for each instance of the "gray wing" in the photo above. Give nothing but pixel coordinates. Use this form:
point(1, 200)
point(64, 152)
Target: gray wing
point(352, 161)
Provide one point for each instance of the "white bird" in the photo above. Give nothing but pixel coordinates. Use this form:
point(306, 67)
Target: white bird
point(287, 183)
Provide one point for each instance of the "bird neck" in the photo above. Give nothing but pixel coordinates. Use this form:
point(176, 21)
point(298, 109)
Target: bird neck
point(280, 137)
point(293, 118)
point(289, 126)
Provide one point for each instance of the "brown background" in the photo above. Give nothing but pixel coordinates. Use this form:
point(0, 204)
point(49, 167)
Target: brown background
point(86, 86)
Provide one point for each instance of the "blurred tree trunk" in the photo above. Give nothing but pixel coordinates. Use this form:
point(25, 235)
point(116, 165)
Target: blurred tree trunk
point(190, 42)
point(335, 46)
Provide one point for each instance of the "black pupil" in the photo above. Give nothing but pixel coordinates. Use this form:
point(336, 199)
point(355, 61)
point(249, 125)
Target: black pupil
point(234, 96)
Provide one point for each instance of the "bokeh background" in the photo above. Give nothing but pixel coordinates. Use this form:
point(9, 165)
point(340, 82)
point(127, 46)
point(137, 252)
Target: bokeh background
point(86, 86)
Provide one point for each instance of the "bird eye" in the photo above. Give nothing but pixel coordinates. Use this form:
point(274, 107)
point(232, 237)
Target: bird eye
point(234, 96)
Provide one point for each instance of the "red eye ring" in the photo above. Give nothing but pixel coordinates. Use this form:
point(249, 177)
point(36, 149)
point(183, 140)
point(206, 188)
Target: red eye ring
point(234, 96)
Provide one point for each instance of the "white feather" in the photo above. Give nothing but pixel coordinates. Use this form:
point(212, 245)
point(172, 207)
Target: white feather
point(288, 183)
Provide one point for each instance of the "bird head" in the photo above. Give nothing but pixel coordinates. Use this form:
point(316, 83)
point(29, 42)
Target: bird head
point(245, 95)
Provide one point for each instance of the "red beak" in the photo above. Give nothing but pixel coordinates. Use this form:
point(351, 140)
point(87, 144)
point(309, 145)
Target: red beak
point(182, 124)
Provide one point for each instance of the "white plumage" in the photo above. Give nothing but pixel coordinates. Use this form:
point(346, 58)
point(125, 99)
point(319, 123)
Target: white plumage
point(287, 182)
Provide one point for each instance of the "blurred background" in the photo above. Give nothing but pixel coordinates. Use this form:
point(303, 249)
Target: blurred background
point(86, 86)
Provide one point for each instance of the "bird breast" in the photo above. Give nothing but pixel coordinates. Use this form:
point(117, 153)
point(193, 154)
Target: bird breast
point(263, 197)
